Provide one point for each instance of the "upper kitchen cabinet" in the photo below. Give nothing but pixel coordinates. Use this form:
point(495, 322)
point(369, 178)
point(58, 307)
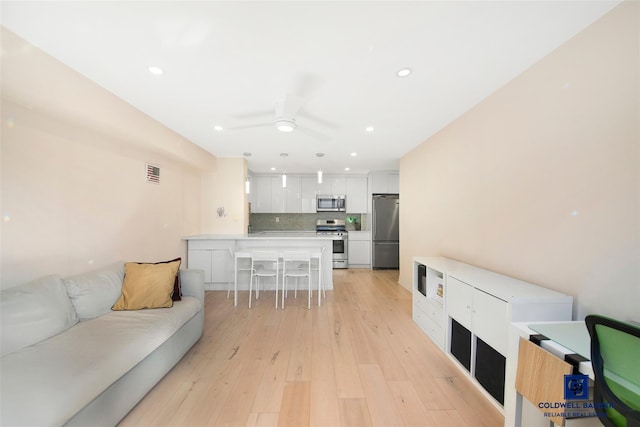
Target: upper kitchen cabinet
point(385, 182)
point(332, 184)
point(293, 192)
point(261, 185)
point(268, 196)
point(356, 191)
point(308, 193)
point(278, 195)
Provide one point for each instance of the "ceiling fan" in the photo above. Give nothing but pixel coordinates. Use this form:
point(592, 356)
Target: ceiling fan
point(286, 110)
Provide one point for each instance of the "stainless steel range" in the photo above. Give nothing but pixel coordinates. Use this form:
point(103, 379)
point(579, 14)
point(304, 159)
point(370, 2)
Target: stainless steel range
point(337, 230)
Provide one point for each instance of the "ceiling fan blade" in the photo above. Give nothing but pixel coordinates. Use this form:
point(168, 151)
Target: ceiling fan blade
point(313, 133)
point(325, 123)
point(255, 125)
point(288, 106)
point(254, 115)
point(306, 83)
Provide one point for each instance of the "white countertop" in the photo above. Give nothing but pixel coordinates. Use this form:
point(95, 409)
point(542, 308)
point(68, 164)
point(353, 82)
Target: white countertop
point(262, 235)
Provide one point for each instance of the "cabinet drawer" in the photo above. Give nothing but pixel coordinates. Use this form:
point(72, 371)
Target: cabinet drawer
point(434, 311)
point(433, 330)
point(420, 301)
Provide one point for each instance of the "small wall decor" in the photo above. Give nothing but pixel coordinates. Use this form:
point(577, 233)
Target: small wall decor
point(220, 211)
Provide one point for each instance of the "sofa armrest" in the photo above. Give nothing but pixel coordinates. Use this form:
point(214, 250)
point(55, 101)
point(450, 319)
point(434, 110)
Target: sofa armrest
point(192, 283)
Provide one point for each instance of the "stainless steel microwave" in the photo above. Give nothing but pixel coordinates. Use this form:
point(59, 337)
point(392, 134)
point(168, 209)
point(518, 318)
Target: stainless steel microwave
point(331, 203)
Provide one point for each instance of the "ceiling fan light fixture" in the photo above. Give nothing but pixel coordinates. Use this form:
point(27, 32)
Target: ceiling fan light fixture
point(284, 172)
point(285, 125)
point(155, 70)
point(404, 72)
point(319, 156)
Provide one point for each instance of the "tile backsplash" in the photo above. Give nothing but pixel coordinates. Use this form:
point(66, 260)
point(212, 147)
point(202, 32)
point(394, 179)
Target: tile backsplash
point(300, 221)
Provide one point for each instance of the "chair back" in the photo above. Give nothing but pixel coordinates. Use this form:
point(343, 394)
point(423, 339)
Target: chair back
point(297, 256)
point(296, 262)
point(264, 261)
point(615, 356)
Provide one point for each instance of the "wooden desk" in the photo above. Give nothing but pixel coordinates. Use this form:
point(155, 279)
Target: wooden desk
point(569, 341)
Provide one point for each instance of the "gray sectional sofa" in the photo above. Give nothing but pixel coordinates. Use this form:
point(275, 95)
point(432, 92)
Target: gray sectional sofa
point(68, 359)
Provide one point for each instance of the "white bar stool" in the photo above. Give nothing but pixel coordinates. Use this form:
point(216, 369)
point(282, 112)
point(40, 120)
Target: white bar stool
point(296, 264)
point(320, 281)
point(263, 264)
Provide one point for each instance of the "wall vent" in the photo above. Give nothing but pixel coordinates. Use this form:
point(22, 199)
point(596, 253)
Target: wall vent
point(153, 173)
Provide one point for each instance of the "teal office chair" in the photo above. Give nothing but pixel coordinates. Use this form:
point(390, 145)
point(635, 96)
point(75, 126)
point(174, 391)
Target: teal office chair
point(615, 356)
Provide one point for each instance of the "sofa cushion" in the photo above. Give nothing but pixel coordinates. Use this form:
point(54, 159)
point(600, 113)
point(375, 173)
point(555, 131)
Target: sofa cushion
point(177, 288)
point(147, 286)
point(62, 375)
point(34, 312)
point(92, 294)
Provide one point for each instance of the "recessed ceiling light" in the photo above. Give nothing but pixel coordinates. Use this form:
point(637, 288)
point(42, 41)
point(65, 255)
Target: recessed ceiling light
point(273, 168)
point(246, 154)
point(354, 154)
point(404, 72)
point(369, 129)
point(347, 169)
point(156, 70)
point(217, 128)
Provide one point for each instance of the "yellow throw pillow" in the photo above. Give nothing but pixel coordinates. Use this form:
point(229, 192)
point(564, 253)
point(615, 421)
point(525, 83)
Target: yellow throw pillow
point(147, 286)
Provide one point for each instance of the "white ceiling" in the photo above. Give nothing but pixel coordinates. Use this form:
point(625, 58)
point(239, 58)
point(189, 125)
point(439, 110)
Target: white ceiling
point(226, 64)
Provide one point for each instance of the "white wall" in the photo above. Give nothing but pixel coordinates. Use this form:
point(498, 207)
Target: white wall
point(224, 188)
point(541, 180)
point(74, 195)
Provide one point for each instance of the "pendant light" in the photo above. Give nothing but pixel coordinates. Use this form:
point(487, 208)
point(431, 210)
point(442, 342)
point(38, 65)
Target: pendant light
point(247, 186)
point(284, 172)
point(319, 156)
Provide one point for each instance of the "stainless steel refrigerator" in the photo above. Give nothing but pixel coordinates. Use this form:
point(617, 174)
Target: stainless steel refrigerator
point(386, 216)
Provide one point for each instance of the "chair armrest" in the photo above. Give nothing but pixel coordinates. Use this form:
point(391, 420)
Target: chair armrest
point(192, 283)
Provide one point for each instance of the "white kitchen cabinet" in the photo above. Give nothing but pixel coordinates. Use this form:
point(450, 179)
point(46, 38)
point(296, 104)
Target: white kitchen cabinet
point(215, 262)
point(359, 249)
point(332, 185)
point(262, 186)
point(356, 191)
point(278, 195)
point(308, 186)
point(385, 182)
point(477, 308)
point(268, 196)
point(293, 203)
point(338, 184)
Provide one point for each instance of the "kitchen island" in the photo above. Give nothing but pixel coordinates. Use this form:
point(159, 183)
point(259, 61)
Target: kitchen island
point(215, 255)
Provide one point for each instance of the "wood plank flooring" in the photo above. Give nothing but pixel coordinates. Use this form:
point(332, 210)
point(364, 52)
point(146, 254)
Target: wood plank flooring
point(359, 360)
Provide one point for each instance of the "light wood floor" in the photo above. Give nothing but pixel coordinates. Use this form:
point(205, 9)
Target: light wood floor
point(359, 360)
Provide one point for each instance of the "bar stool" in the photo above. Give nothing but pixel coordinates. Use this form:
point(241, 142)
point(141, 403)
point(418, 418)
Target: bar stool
point(296, 264)
point(318, 268)
point(263, 264)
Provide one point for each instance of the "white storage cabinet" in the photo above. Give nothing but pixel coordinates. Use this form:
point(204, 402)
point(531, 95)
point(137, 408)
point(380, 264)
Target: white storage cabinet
point(467, 311)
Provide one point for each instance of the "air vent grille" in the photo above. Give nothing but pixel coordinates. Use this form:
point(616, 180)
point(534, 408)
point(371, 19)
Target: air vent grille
point(153, 173)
